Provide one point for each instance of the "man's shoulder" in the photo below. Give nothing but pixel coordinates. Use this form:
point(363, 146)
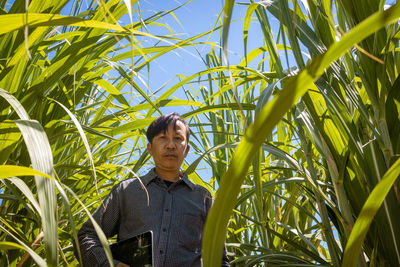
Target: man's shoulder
point(129, 182)
point(201, 189)
point(143, 179)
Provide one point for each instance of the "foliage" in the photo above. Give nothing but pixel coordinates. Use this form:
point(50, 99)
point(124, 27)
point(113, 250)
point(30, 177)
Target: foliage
point(307, 143)
point(73, 106)
point(330, 150)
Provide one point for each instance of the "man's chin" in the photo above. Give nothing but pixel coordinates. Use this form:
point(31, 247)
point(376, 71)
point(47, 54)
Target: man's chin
point(168, 168)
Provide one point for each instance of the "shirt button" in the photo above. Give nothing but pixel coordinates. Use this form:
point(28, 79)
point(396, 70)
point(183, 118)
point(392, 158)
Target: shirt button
point(164, 229)
point(166, 210)
point(161, 252)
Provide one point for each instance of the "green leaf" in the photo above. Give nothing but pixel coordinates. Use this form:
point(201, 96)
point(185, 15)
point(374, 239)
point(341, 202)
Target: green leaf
point(42, 159)
point(14, 103)
point(4, 245)
point(8, 171)
point(113, 91)
point(83, 136)
point(294, 88)
point(9, 138)
point(12, 22)
point(367, 214)
point(39, 261)
point(228, 8)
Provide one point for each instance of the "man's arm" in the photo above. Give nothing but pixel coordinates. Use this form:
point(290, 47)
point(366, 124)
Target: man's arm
point(107, 216)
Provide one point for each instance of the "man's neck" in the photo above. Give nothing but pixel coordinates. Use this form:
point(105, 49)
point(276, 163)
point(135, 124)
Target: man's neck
point(167, 175)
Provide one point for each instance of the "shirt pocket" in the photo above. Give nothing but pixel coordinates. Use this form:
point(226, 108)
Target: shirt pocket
point(190, 232)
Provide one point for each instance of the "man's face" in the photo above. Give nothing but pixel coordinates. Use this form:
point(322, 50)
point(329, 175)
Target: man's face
point(170, 148)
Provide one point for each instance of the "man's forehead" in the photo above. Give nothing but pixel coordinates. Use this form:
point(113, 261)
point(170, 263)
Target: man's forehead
point(177, 127)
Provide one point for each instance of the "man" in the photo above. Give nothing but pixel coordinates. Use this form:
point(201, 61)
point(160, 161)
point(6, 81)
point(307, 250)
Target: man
point(170, 205)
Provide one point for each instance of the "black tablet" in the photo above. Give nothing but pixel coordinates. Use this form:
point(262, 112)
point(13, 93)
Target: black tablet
point(136, 251)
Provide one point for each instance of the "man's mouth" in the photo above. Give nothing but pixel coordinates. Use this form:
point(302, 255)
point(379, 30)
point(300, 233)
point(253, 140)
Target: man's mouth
point(170, 155)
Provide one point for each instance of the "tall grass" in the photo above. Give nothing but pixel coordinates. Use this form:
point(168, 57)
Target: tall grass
point(333, 147)
point(308, 125)
point(73, 106)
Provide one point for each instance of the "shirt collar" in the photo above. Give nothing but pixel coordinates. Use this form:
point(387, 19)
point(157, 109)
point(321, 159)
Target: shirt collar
point(151, 175)
point(189, 183)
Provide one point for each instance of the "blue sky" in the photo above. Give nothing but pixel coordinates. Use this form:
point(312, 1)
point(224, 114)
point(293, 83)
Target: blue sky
point(196, 17)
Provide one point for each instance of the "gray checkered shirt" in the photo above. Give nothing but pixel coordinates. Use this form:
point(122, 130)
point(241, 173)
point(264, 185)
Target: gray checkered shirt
point(176, 215)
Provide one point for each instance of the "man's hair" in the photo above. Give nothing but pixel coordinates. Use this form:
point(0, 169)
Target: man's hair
point(161, 125)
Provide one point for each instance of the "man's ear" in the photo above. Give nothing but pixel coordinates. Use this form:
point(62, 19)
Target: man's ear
point(149, 148)
point(187, 150)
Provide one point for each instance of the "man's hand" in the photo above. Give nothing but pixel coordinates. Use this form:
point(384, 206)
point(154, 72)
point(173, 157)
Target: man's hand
point(120, 264)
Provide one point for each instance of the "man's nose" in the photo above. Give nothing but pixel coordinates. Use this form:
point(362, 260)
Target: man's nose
point(170, 143)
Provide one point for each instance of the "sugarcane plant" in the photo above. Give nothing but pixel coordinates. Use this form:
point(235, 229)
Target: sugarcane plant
point(314, 177)
point(301, 137)
point(73, 105)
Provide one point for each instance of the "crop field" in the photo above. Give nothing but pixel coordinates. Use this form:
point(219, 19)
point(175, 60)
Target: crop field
point(299, 141)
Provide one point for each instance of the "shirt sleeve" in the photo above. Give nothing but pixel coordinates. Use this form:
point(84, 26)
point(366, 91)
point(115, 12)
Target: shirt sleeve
point(107, 216)
point(225, 260)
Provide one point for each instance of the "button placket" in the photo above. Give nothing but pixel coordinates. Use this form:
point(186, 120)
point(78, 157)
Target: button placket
point(165, 224)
